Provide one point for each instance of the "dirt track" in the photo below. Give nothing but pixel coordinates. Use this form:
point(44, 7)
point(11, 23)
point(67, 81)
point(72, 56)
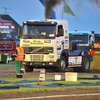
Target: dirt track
point(29, 94)
point(10, 72)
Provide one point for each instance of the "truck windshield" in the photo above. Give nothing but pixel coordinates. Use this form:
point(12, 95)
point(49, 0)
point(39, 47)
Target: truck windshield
point(39, 32)
point(7, 36)
point(81, 39)
point(97, 38)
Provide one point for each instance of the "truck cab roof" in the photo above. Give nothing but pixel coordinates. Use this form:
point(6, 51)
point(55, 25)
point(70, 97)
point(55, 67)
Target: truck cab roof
point(48, 20)
point(79, 32)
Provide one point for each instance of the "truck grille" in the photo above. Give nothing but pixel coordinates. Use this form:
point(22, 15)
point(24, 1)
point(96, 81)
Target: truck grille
point(38, 50)
point(6, 45)
point(36, 57)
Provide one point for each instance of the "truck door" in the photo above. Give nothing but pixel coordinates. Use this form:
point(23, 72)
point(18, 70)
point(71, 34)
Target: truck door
point(60, 39)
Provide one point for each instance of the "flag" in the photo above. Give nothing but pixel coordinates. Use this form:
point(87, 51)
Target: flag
point(23, 69)
point(67, 9)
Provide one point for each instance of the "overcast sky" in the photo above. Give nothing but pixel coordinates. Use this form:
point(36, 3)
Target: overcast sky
point(87, 14)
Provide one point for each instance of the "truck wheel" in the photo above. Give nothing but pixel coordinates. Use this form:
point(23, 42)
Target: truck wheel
point(86, 63)
point(62, 64)
point(28, 68)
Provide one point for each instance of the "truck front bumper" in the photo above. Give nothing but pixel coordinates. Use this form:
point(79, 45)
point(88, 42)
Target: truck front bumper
point(42, 64)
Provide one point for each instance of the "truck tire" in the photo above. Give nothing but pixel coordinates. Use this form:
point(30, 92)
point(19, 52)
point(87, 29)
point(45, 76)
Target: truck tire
point(62, 64)
point(85, 63)
point(28, 68)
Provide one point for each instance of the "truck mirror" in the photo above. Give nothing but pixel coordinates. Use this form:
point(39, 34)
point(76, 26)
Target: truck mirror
point(19, 32)
point(92, 32)
point(57, 34)
point(89, 37)
point(61, 32)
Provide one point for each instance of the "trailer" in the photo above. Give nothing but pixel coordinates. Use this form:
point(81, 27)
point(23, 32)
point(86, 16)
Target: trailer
point(46, 45)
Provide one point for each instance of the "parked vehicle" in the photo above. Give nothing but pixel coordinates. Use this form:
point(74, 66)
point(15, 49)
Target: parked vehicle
point(84, 40)
point(96, 45)
point(7, 38)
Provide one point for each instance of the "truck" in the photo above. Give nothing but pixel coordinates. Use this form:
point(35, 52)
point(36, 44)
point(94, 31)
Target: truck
point(84, 40)
point(7, 38)
point(96, 45)
point(46, 45)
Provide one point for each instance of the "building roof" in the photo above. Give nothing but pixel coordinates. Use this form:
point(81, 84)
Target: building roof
point(7, 17)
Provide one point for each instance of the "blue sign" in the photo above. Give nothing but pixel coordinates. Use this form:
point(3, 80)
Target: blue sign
point(47, 41)
point(7, 30)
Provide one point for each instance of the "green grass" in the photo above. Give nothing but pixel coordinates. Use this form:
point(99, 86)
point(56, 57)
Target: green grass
point(18, 79)
point(95, 64)
point(49, 89)
point(37, 78)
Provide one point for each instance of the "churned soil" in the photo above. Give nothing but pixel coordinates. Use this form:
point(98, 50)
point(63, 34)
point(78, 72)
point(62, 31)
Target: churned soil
point(10, 72)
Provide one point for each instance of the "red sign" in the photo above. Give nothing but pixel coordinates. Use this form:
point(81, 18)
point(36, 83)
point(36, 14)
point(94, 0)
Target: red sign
point(23, 69)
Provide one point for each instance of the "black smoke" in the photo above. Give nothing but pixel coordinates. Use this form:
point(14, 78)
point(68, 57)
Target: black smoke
point(49, 5)
point(96, 2)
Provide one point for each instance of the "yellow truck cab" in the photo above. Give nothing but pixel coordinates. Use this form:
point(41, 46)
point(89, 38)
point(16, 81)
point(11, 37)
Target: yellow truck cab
point(46, 45)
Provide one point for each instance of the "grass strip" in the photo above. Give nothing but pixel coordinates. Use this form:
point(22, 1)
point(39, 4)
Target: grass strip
point(48, 89)
point(37, 78)
point(49, 82)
